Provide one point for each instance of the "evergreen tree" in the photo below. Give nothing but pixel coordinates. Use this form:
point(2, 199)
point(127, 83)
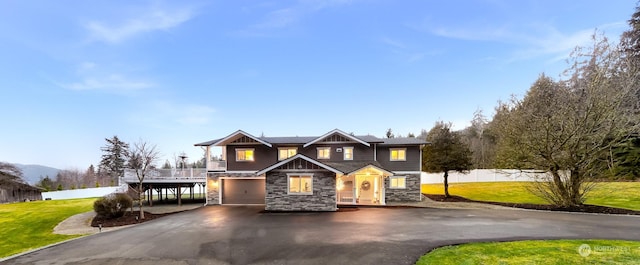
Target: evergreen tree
point(630, 39)
point(167, 164)
point(446, 152)
point(114, 158)
point(46, 183)
point(389, 133)
point(89, 177)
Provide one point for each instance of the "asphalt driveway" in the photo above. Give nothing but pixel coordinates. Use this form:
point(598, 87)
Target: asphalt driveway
point(243, 235)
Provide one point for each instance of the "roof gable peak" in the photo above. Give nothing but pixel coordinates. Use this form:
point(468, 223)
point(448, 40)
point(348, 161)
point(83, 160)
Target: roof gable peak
point(341, 137)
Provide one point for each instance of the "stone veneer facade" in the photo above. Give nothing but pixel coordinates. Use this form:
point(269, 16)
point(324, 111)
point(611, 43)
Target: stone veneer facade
point(322, 199)
point(213, 185)
point(410, 194)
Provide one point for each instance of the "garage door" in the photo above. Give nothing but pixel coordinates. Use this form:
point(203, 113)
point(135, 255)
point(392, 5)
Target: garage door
point(243, 191)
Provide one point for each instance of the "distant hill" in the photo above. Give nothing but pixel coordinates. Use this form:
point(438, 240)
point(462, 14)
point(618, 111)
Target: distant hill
point(32, 173)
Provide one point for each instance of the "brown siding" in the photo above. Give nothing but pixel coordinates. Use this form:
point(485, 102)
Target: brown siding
point(360, 152)
point(264, 156)
point(411, 164)
point(19, 193)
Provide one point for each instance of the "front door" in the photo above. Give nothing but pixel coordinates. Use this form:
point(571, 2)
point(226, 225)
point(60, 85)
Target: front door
point(368, 189)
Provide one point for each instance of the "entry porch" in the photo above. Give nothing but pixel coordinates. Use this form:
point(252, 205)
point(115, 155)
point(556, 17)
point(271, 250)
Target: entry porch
point(362, 187)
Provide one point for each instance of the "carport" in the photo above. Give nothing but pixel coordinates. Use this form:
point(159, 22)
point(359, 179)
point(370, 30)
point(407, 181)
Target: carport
point(166, 182)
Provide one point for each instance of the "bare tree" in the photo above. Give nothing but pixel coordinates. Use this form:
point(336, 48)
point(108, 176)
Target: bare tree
point(566, 128)
point(481, 140)
point(10, 172)
point(142, 157)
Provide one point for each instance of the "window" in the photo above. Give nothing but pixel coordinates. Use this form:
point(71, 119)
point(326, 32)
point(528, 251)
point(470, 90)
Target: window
point(300, 184)
point(397, 182)
point(348, 153)
point(324, 152)
point(286, 152)
point(244, 154)
point(398, 154)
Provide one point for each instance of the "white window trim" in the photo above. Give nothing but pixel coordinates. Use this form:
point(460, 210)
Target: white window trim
point(398, 177)
point(344, 152)
point(398, 149)
point(299, 175)
point(323, 148)
point(286, 148)
point(246, 149)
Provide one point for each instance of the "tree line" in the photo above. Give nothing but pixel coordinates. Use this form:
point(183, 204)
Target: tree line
point(579, 128)
point(115, 159)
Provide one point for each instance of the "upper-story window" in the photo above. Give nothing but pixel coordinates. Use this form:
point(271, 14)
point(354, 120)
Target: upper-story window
point(347, 153)
point(324, 152)
point(286, 152)
point(398, 154)
point(245, 154)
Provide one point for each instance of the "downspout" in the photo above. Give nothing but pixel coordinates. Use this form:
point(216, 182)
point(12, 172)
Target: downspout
point(420, 170)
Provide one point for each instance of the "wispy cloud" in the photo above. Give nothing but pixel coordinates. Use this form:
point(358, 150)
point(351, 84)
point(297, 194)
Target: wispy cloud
point(93, 77)
point(405, 51)
point(289, 16)
point(529, 41)
point(557, 44)
point(393, 43)
point(151, 21)
point(113, 83)
point(167, 114)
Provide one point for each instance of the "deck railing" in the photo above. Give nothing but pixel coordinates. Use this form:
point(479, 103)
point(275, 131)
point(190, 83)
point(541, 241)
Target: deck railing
point(187, 174)
point(217, 165)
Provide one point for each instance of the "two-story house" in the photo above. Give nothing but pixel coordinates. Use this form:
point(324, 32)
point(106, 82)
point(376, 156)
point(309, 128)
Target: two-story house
point(313, 173)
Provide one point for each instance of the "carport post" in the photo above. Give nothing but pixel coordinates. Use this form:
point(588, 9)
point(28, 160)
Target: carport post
point(150, 195)
point(179, 195)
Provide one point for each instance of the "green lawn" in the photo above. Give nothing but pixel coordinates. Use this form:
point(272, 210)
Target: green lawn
point(614, 194)
point(29, 225)
point(537, 252)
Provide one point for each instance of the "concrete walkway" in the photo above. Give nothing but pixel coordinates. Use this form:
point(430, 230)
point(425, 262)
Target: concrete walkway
point(80, 224)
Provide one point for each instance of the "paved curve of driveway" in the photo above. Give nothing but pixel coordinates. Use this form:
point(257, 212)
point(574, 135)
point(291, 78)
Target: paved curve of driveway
point(243, 235)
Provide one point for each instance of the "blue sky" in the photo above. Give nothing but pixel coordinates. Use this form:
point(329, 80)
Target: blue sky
point(175, 73)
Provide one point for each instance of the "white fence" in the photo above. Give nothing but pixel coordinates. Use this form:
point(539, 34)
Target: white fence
point(480, 175)
point(79, 193)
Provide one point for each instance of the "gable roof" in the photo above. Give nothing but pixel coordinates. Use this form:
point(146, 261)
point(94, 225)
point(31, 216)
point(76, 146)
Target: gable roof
point(232, 137)
point(306, 141)
point(403, 141)
point(349, 167)
point(288, 139)
point(336, 131)
point(299, 156)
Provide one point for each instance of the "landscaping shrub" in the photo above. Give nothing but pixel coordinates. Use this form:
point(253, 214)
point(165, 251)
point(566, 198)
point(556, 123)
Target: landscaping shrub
point(113, 205)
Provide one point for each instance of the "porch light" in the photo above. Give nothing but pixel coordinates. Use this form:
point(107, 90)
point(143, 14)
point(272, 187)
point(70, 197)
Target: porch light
point(214, 183)
point(340, 185)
